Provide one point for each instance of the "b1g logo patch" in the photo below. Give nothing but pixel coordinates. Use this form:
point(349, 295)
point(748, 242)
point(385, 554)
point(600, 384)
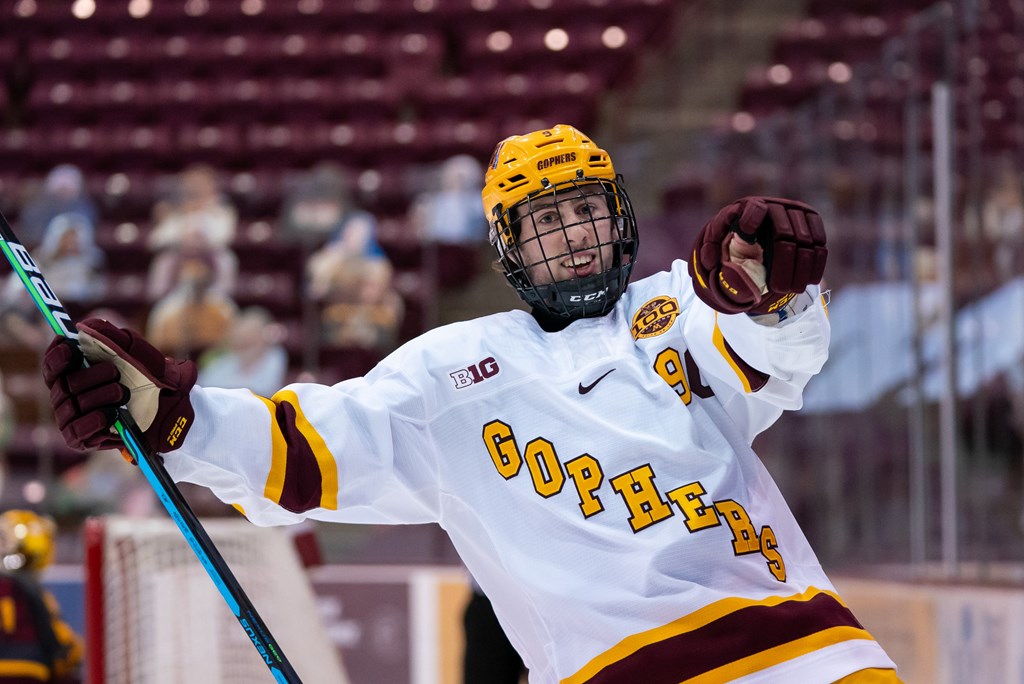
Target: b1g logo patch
point(654, 317)
point(478, 372)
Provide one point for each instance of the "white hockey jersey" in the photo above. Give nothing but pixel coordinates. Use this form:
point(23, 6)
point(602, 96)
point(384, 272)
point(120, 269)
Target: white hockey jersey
point(598, 482)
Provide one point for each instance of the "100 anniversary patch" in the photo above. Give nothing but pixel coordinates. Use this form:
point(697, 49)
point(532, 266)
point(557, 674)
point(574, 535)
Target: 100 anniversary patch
point(654, 317)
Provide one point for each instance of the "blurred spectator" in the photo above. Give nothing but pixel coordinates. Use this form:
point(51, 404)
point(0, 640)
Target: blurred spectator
point(194, 315)
point(36, 645)
point(62, 192)
point(103, 484)
point(71, 260)
point(167, 266)
point(21, 325)
point(320, 209)
point(451, 222)
point(251, 357)
point(197, 208)
point(336, 269)
point(71, 263)
point(350, 275)
point(1002, 216)
point(454, 214)
point(363, 309)
point(344, 263)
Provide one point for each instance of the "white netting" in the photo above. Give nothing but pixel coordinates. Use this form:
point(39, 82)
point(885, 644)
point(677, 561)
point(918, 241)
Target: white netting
point(166, 623)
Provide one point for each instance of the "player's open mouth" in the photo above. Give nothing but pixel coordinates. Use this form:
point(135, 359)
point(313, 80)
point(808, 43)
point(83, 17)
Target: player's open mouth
point(580, 264)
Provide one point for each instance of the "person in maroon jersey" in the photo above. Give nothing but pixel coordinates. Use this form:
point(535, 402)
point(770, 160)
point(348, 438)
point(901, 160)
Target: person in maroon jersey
point(36, 645)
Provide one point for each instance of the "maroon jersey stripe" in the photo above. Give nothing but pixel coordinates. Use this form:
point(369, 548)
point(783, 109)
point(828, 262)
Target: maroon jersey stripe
point(740, 634)
point(303, 482)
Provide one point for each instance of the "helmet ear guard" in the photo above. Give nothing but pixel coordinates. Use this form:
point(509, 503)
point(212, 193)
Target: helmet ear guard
point(558, 163)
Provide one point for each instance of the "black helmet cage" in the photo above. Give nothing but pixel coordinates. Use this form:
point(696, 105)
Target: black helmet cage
point(592, 295)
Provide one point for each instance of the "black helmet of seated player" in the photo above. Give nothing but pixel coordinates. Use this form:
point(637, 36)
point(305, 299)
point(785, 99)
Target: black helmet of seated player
point(561, 222)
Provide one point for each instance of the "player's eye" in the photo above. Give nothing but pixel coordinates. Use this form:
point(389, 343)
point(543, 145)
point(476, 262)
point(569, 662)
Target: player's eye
point(546, 217)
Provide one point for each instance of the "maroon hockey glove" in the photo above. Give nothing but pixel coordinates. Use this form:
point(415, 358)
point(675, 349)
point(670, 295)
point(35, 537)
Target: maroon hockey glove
point(124, 368)
point(83, 399)
point(788, 234)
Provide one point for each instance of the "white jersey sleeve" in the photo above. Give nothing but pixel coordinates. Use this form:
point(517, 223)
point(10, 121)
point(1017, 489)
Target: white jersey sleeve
point(279, 459)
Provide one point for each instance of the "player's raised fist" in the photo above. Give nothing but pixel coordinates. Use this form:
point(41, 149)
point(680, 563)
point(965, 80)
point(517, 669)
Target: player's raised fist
point(758, 253)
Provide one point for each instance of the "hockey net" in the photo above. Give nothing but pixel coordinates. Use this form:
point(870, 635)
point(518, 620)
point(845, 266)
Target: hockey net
point(153, 616)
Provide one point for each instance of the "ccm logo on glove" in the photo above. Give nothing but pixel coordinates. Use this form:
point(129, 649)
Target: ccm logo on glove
point(177, 430)
point(756, 254)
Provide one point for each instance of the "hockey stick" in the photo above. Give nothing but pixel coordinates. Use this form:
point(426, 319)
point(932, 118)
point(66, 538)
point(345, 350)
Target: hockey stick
point(153, 468)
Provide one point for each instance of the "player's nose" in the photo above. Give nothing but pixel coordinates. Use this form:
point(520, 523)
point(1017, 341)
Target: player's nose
point(577, 232)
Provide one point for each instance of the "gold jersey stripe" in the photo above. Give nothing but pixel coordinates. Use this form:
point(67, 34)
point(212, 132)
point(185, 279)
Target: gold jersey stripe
point(7, 615)
point(278, 455)
point(24, 668)
point(696, 272)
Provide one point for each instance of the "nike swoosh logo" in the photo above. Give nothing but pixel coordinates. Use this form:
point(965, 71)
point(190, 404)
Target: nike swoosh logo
point(586, 388)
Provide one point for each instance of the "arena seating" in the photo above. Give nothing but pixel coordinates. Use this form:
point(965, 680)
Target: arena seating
point(828, 85)
point(264, 90)
point(819, 51)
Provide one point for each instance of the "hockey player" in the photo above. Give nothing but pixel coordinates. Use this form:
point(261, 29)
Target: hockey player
point(590, 459)
point(35, 644)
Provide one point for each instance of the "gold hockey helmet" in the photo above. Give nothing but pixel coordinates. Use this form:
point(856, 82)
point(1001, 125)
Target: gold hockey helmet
point(26, 540)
